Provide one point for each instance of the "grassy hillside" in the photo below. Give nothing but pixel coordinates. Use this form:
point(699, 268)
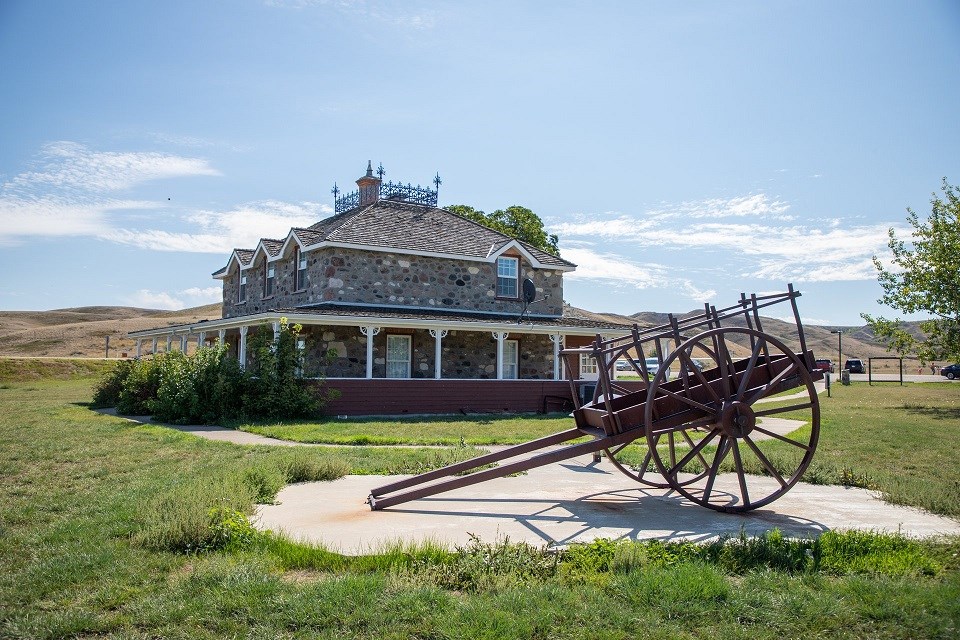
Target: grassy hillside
point(857, 342)
point(81, 331)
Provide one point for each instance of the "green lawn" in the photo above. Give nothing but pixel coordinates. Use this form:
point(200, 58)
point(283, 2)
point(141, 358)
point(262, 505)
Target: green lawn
point(447, 430)
point(118, 530)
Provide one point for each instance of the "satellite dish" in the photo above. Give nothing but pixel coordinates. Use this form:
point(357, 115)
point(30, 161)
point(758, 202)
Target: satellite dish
point(529, 290)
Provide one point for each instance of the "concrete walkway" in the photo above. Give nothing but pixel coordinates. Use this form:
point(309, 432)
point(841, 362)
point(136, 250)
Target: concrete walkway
point(570, 501)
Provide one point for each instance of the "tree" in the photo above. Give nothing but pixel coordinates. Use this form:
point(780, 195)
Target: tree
point(924, 278)
point(516, 221)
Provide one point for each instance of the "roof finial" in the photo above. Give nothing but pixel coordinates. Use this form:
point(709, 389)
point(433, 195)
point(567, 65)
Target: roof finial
point(381, 171)
point(369, 169)
point(335, 191)
point(437, 181)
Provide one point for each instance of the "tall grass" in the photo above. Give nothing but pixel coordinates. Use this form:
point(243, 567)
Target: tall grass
point(84, 554)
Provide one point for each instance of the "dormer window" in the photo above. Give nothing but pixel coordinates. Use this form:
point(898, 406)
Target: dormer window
point(242, 296)
point(268, 281)
point(508, 270)
point(301, 272)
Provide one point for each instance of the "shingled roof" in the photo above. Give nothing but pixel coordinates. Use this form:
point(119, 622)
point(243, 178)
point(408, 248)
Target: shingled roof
point(406, 227)
point(414, 227)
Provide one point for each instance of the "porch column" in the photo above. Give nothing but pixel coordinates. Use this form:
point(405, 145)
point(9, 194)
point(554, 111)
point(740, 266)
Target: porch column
point(183, 343)
point(200, 338)
point(169, 342)
point(500, 336)
point(557, 341)
point(243, 347)
point(276, 332)
point(139, 340)
point(369, 331)
point(438, 335)
point(221, 334)
point(154, 351)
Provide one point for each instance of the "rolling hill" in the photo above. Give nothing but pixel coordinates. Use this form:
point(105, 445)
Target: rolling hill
point(81, 331)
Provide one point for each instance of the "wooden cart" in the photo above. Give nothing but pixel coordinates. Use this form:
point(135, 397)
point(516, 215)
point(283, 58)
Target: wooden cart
point(706, 421)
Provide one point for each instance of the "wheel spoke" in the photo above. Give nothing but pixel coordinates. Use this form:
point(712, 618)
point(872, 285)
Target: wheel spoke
point(805, 447)
point(618, 449)
point(727, 370)
point(688, 365)
point(717, 459)
point(671, 446)
point(770, 386)
point(775, 410)
point(741, 475)
point(703, 460)
point(745, 381)
point(646, 462)
point(693, 424)
point(684, 399)
point(763, 460)
point(672, 471)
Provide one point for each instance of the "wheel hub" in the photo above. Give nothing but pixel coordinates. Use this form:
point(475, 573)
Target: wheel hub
point(737, 420)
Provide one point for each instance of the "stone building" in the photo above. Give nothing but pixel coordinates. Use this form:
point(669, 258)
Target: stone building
point(418, 308)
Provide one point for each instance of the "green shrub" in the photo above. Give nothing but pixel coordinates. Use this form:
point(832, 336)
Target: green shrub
point(107, 391)
point(307, 466)
point(275, 389)
point(264, 482)
point(185, 517)
point(232, 530)
point(482, 566)
point(211, 387)
point(140, 387)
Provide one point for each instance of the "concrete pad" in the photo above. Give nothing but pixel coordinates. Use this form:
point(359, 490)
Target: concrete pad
point(572, 501)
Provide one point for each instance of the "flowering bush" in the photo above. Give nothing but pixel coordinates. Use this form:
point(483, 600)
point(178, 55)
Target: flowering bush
point(210, 386)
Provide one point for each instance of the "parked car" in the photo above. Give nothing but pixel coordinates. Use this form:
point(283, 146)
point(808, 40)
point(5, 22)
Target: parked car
point(824, 364)
point(696, 364)
point(653, 366)
point(854, 366)
point(623, 365)
point(951, 371)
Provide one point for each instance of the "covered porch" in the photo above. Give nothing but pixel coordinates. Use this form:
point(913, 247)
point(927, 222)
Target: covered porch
point(388, 362)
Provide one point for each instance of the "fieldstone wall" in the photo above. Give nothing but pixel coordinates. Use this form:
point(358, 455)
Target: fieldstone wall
point(464, 354)
point(349, 275)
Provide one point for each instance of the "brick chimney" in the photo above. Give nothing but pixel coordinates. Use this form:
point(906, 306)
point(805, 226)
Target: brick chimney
point(369, 187)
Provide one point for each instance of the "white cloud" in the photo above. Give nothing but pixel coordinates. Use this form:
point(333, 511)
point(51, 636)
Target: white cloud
point(757, 205)
point(68, 194)
point(192, 297)
point(752, 234)
point(613, 270)
point(72, 167)
point(391, 14)
point(56, 216)
point(223, 231)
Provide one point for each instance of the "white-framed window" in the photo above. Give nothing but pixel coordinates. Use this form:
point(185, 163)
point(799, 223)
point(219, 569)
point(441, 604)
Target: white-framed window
point(511, 359)
point(398, 356)
point(301, 354)
point(508, 270)
point(301, 269)
point(242, 295)
point(268, 279)
point(588, 367)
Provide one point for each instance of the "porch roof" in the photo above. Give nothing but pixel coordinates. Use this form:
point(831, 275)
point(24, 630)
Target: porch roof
point(392, 317)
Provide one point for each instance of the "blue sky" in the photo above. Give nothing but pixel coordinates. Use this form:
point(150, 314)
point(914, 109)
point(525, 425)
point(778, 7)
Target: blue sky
point(683, 152)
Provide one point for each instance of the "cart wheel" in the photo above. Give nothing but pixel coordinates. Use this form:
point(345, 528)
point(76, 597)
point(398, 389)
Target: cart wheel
point(646, 472)
point(735, 460)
